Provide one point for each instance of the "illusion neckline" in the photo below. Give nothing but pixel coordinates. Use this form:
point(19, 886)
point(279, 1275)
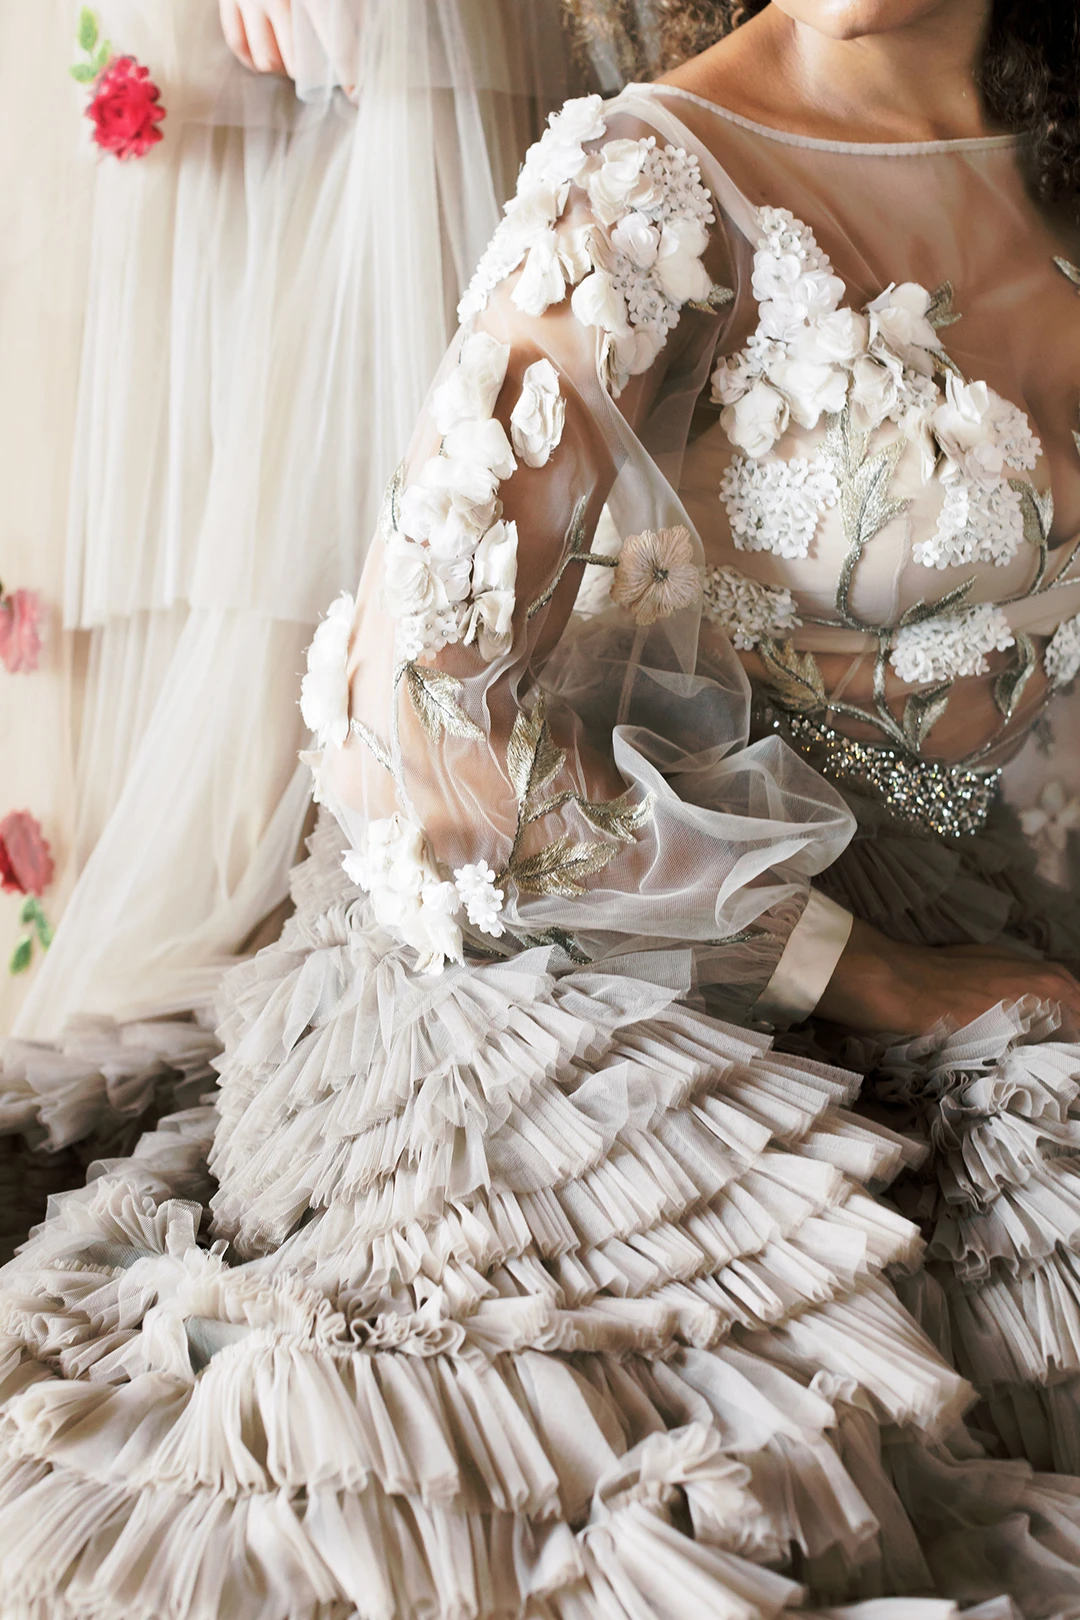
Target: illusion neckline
point(968, 143)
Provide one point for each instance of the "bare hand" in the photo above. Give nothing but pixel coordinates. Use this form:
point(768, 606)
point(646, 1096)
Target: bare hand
point(880, 985)
point(260, 34)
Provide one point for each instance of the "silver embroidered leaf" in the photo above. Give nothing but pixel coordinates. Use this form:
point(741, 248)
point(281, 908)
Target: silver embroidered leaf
point(1068, 270)
point(1009, 685)
point(375, 743)
point(1037, 509)
point(560, 868)
point(565, 942)
point(922, 711)
point(532, 755)
point(434, 696)
point(940, 311)
point(575, 549)
point(922, 609)
point(794, 677)
point(388, 512)
point(866, 506)
point(618, 818)
point(716, 298)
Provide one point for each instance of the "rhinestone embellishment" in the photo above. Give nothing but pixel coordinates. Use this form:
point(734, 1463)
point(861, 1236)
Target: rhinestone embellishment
point(935, 798)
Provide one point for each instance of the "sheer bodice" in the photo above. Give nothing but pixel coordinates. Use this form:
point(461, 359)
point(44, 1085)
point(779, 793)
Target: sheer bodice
point(720, 394)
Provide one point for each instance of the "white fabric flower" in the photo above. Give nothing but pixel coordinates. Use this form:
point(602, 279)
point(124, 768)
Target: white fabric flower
point(536, 422)
point(1061, 658)
point(490, 624)
point(964, 428)
point(409, 585)
point(976, 524)
point(597, 301)
point(837, 339)
point(472, 388)
point(481, 444)
point(465, 486)
point(875, 388)
point(624, 180)
point(775, 505)
point(746, 608)
point(756, 419)
point(637, 238)
point(946, 648)
point(679, 269)
point(1049, 823)
point(898, 325)
point(810, 390)
point(324, 690)
point(494, 565)
point(560, 155)
point(396, 868)
point(482, 900)
point(541, 282)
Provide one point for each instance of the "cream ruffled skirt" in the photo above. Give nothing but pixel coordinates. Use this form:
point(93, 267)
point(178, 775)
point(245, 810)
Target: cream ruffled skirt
point(538, 1293)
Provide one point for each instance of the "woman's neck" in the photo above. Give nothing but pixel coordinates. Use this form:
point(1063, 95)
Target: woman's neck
point(911, 83)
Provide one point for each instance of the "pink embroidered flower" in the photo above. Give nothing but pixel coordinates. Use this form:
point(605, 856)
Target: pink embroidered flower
point(26, 863)
point(125, 109)
point(20, 641)
point(656, 574)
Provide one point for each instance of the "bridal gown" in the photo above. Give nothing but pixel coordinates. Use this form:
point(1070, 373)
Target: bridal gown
point(527, 1261)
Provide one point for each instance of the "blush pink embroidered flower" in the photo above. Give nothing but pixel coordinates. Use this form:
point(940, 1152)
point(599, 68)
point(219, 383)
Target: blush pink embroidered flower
point(26, 862)
point(20, 638)
point(656, 574)
point(125, 109)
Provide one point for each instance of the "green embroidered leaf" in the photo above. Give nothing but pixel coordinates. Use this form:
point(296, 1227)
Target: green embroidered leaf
point(922, 711)
point(561, 867)
point(794, 677)
point(940, 312)
point(1068, 270)
point(923, 609)
point(532, 757)
point(33, 915)
point(1010, 684)
point(88, 29)
point(565, 942)
point(618, 818)
point(84, 72)
point(20, 956)
point(376, 744)
point(716, 298)
point(102, 57)
point(434, 696)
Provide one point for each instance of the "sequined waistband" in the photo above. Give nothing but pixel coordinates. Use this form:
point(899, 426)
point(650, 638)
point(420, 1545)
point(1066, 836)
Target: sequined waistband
point(943, 799)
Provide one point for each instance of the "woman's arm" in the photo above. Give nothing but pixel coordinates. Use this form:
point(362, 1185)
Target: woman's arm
point(260, 34)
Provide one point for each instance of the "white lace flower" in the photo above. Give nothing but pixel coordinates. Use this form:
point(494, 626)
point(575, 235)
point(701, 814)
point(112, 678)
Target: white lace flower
point(536, 421)
point(898, 325)
point(1061, 656)
point(946, 648)
point(757, 419)
point(746, 608)
point(656, 574)
point(976, 524)
point(482, 900)
point(396, 868)
point(324, 690)
point(470, 391)
point(775, 505)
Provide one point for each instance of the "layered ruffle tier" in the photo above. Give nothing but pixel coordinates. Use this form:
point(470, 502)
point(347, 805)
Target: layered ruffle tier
point(523, 1293)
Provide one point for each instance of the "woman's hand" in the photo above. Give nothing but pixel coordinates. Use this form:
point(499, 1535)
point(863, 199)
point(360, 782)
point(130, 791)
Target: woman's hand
point(260, 34)
point(880, 985)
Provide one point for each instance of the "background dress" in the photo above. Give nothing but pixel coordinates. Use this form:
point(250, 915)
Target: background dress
point(504, 1279)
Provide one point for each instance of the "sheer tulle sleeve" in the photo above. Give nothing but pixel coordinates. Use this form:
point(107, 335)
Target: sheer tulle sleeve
point(538, 740)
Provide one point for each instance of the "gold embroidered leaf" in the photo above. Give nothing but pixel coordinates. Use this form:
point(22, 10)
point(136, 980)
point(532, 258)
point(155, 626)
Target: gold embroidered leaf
point(1010, 684)
point(561, 867)
point(575, 548)
point(940, 311)
point(922, 609)
point(376, 744)
point(716, 298)
point(1068, 270)
point(922, 711)
point(434, 696)
point(565, 942)
point(618, 818)
point(532, 757)
point(794, 677)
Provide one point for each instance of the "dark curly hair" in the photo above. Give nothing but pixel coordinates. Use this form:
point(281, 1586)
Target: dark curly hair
point(1029, 76)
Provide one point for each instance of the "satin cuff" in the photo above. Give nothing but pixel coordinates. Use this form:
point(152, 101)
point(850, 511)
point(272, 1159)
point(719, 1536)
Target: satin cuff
point(810, 956)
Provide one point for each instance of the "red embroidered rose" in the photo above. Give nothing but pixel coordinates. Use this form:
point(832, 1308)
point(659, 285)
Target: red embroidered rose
point(20, 642)
point(26, 863)
point(125, 109)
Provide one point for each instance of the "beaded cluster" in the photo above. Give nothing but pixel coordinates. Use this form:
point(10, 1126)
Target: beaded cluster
point(943, 799)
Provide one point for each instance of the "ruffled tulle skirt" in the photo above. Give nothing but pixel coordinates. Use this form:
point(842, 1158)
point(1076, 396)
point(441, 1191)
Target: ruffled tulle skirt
point(534, 1290)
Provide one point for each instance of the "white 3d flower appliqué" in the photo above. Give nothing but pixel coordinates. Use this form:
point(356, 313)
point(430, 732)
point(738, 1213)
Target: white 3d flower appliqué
point(656, 574)
point(475, 885)
point(324, 690)
point(775, 505)
point(747, 609)
point(537, 420)
point(408, 897)
point(953, 645)
point(1061, 657)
